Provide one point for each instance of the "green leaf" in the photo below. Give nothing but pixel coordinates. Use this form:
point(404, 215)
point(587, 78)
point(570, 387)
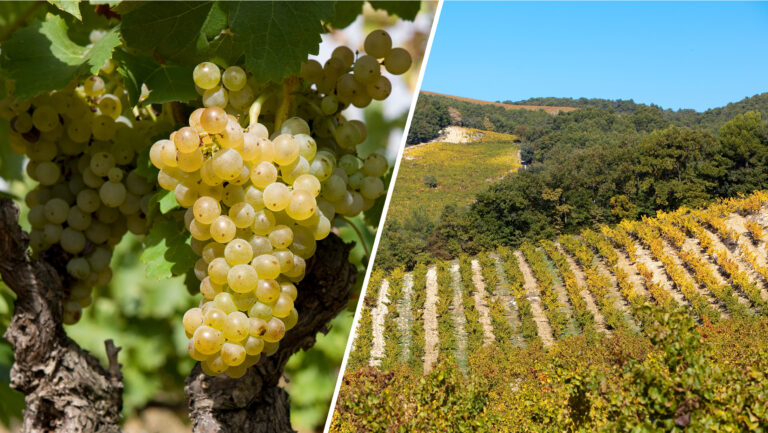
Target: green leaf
point(167, 202)
point(344, 13)
point(42, 57)
point(406, 10)
point(167, 251)
point(277, 36)
point(71, 7)
point(11, 163)
point(166, 83)
point(175, 30)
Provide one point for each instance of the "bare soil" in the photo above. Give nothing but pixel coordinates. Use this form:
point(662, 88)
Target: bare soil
point(481, 304)
point(534, 298)
point(378, 314)
point(430, 321)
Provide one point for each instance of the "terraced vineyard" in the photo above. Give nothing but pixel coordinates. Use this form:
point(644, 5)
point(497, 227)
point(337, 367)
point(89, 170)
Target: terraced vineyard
point(713, 261)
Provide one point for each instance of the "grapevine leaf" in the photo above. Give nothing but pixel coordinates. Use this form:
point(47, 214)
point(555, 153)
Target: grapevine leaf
point(42, 57)
point(175, 30)
point(277, 36)
point(71, 7)
point(345, 13)
point(11, 163)
point(406, 10)
point(167, 202)
point(169, 82)
point(167, 251)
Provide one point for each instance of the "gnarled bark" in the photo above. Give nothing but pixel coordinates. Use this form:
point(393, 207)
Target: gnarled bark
point(66, 388)
point(255, 402)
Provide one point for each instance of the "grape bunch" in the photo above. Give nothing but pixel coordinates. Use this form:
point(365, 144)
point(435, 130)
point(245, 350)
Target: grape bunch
point(260, 188)
point(82, 152)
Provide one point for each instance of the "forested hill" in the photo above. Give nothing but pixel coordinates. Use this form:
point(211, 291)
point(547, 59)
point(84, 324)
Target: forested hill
point(434, 112)
point(597, 164)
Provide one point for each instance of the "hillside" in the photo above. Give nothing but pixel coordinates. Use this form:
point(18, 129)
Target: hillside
point(550, 109)
point(437, 174)
point(536, 304)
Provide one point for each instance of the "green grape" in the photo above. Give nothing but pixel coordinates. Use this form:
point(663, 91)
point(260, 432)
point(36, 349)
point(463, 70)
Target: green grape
point(213, 120)
point(94, 86)
point(223, 229)
point(45, 118)
point(321, 167)
point(234, 78)
point(22, 123)
point(185, 195)
point(232, 136)
point(334, 188)
point(347, 88)
point(227, 164)
point(372, 188)
point(215, 366)
point(263, 223)
point(243, 98)
point(281, 237)
point(190, 162)
point(253, 345)
point(291, 320)
point(267, 266)
point(72, 241)
point(254, 197)
point(218, 269)
point(379, 89)
point(237, 326)
point(206, 209)
point(344, 54)
point(77, 219)
point(52, 233)
point(56, 210)
point(275, 331)
point(110, 105)
point(276, 196)
point(200, 269)
point(232, 354)
point(295, 126)
point(99, 259)
point(242, 278)
point(322, 229)
point(112, 194)
point(103, 127)
point(208, 176)
point(36, 216)
point(115, 174)
point(285, 258)
point(302, 205)
point(47, 173)
point(286, 149)
point(212, 250)
point(264, 174)
point(232, 195)
point(290, 172)
point(260, 245)
point(347, 136)
point(214, 317)
point(78, 267)
point(216, 97)
point(242, 214)
point(192, 320)
point(303, 244)
point(334, 67)
point(98, 232)
point(101, 163)
point(366, 69)
point(238, 252)
point(329, 105)
point(267, 291)
point(79, 130)
point(209, 289)
point(226, 303)
point(206, 75)
point(283, 306)
point(186, 140)
point(378, 44)
point(350, 164)
point(356, 180)
point(398, 61)
point(309, 183)
point(375, 165)
point(207, 340)
point(362, 99)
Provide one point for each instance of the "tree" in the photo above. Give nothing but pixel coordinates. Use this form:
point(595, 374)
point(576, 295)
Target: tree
point(90, 88)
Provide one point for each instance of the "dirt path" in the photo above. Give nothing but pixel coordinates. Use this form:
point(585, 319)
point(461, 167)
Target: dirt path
point(481, 304)
point(430, 321)
point(459, 319)
point(406, 317)
point(589, 300)
point(613, 291)
point(711, 300)
point(632, 274)
point(534, 298)
point(378, 314)
point(659, 273)
point(506, 298)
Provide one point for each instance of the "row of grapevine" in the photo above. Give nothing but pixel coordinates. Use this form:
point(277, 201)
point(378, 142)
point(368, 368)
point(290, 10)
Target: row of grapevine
point(555, 310)
point(516, 282)
point(474, 329)
point(446, 316)
point(582, 315)
point(417, 325)
point(598, 283)
point(361, 352)
point(651, 238)
point(392, 330)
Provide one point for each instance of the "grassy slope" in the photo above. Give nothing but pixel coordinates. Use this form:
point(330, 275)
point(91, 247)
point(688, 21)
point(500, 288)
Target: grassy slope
point(462, 171)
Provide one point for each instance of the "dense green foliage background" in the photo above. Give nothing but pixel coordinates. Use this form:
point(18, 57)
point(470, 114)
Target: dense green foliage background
point(604, 162)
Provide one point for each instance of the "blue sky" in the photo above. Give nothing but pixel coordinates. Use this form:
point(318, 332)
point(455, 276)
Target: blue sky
point(676, 55)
